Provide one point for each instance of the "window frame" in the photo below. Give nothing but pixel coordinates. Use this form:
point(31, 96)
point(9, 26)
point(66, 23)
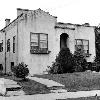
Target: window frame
point(1, 46)
point(39, 50)
point(8, 48)
point(82, 44)
point(14, 44)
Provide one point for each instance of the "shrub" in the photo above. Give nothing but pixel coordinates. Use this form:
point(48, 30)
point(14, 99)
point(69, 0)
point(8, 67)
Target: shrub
point(20, 70)
point(80, 61)
point(96, 64)
point(64, 62)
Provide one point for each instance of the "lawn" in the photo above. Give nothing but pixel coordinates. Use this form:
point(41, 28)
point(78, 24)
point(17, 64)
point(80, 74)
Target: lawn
point(81, 81)
point(30, 87)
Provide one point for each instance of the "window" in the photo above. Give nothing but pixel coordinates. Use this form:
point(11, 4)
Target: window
point(8, 45)
point(14, 44)
point(39, 43)
point(1, 67)
point(1, 46)
point(83, 45)
point(12, 65)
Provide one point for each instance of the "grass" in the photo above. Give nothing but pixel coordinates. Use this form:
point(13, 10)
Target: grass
point(81, 81)
point(30, 87)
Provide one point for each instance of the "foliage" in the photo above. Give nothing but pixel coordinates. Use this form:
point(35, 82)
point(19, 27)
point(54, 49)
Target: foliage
point(97, 44)
point(80, 61)
point(20, 70)
point(67, 62)
point(64, 62)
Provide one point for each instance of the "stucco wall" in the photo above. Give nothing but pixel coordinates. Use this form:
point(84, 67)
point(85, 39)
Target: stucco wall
point(2, 54)
point(88, 33)
point(70, 41)
point(36, 22)
point(10, 56)
point(80, 32)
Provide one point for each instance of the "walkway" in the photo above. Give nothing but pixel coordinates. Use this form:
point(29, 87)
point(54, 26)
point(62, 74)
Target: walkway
point(47, 82)
point(54, 96)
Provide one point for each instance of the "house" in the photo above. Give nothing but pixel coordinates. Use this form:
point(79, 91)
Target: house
point(35, 38)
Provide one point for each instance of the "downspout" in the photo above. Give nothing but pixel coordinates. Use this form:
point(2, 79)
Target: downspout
point(17, 42)
point(5, 51)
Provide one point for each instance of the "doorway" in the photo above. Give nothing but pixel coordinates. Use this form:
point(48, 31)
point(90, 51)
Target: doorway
point(63, 40)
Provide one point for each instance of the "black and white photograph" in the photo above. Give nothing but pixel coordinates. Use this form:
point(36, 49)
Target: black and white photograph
point(50, 50)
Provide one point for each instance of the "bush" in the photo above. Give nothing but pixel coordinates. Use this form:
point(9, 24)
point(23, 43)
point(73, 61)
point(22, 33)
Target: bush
point(20, 70)
point(80, 61)
point(64, 62)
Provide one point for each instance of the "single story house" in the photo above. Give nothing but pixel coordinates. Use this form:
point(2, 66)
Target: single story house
point(35, 38)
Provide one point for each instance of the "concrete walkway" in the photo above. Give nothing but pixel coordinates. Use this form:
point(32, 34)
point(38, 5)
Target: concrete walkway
point(54, 96)
point(10, 87)
point(47, 82)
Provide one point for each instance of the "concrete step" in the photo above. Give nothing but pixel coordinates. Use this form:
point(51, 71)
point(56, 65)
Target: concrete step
point(14, 90)
point(9, 87)
point(15, 93)
point(12, 86)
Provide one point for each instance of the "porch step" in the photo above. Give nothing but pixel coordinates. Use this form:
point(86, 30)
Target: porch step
point(9, 87)
point(14, 90)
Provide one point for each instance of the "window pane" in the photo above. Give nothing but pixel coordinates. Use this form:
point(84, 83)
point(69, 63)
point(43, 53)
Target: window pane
point(79, 42)
point(43, 40)
point(34, 44)
point(8, 45)
point(14, 44)
point(43, 44)
point(85, 51)
point(85, 47)
point(79, 47)
point(34, 37)
point(85, 42)
point(43, 37)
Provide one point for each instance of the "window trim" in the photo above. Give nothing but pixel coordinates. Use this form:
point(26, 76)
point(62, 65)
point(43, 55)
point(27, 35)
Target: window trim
point(87, 54)
point(1, 44)
point(14, 44)
point(39, 49)
point(8, 50)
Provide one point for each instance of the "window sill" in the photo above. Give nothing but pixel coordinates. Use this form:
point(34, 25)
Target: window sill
point(39, 52)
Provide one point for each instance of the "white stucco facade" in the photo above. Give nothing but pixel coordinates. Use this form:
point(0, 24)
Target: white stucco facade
point(38, 21)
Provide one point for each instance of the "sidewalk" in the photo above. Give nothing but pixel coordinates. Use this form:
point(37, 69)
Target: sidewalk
point(54, 96)
point(55, 86)
point(62, 94)
point(47, 82)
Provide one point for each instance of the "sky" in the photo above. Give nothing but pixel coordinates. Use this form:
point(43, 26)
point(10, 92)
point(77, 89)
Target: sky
point(68, 11)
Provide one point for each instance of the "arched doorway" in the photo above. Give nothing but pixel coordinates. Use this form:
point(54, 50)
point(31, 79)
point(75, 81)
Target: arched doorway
point(63, 40)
